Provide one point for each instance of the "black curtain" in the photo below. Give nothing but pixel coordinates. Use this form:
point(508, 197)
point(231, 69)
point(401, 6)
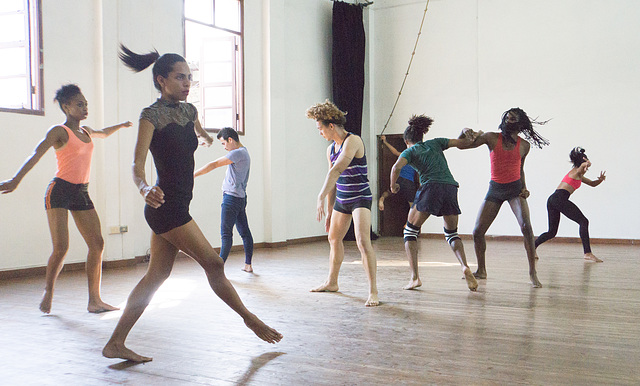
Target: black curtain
point(347, 65)
point(348, 62)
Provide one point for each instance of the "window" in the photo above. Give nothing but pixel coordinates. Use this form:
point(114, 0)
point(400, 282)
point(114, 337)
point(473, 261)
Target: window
point(21, 63)
point(213, 49)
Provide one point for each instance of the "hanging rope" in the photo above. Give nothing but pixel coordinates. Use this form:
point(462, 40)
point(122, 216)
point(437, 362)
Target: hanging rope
point(408, 68)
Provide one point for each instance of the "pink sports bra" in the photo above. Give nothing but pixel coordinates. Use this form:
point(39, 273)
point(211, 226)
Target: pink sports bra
point(575, 184)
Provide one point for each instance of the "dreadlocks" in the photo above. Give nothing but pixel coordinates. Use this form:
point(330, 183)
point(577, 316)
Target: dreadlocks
point(523, 125)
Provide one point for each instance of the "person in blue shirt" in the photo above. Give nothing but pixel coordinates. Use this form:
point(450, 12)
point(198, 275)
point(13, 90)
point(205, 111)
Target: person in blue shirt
point(406, 180)
point(234, 197)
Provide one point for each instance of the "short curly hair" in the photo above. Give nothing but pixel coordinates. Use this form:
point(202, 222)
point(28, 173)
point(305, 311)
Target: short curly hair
point(327, 113)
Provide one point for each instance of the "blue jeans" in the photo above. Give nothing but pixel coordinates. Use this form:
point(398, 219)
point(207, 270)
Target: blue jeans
point(234, 213)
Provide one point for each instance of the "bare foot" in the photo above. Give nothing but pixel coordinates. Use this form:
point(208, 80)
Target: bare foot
point(534, 281)
point(591, 257)
point(372, 301)
point(326, 287)
point(45, 304)
point(413, 284)
point(381, 204)
point(117, 350)
point(471, 280)
point(100, 307)
point(263, 331)
point(247, 268)
point(480, 275)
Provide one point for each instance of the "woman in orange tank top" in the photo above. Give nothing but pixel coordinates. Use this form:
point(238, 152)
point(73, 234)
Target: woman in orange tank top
point(507, 151)
point(68, 192)
point(558, 203)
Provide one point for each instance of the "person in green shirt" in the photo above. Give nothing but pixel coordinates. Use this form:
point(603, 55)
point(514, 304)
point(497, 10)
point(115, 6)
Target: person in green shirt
point(437, 195)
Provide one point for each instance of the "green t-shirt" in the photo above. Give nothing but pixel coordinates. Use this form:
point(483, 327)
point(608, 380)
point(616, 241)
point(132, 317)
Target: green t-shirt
point(427, 158)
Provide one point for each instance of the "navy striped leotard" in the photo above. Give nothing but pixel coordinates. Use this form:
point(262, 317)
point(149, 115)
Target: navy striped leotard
point(353, 184)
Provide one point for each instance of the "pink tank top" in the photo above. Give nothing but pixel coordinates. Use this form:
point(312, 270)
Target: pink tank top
point(74, 159)
point(505, 164)
point(575, 184)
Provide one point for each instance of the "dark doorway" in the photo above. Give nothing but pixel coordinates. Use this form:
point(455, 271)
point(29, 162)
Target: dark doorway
point(394, 216)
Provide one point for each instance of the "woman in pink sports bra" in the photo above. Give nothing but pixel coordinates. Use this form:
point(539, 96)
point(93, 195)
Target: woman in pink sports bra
point(68, 191)
point(559, 202)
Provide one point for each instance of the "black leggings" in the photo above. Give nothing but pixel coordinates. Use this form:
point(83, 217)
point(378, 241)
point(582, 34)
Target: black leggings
point(558, 203)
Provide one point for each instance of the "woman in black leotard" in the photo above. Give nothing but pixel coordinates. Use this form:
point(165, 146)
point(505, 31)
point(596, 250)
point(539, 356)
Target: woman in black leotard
point(169, 128)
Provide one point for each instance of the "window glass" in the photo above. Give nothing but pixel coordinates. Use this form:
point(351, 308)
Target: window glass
point(214, 53)
point(199, 10)
point(21, 62)
point(227, 14)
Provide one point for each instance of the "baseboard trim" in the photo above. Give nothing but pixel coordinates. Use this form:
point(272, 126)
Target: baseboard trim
point(114, 264)
point(554, 240)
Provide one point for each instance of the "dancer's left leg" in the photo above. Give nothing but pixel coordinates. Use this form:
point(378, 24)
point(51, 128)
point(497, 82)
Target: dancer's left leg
point(88, 224)
point(520, 209)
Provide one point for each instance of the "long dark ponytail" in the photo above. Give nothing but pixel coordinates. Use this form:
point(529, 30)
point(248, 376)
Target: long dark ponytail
point(137, 62)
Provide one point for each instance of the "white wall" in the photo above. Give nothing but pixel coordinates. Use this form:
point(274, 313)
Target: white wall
point(287, 64)
point(571, 61)
point(574, 61)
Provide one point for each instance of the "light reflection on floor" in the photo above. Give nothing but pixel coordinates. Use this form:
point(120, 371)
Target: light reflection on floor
point(169, 295)
point(404, 263)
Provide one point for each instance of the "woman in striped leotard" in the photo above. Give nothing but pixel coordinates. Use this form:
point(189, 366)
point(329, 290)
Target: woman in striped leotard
point(346, 188)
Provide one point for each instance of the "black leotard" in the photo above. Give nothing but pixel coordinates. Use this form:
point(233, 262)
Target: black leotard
point(172, 146)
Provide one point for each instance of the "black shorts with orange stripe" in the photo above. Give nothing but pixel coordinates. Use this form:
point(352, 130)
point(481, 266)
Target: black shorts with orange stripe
point(65, 195)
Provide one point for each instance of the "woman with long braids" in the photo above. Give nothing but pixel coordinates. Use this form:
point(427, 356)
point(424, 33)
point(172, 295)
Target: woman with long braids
point(170, 128)
point(438, 193)
point(507, 153)
point(69, 192)
point(558, 203)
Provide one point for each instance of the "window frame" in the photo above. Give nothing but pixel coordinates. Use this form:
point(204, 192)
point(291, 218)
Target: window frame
point(35, 75)
point(239, 69)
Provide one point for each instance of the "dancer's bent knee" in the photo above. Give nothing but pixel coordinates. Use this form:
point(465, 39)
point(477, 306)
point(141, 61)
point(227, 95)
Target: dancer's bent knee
point(451, 235)
point(411, 232)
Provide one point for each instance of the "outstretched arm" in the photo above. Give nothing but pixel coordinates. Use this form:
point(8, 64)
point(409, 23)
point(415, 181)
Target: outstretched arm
point(107, 131)
point(597, 182)
point(466, 139)
point(393, 150)
point(469, 139)
point(55, 135)
point(153, 195)
point(222, 161)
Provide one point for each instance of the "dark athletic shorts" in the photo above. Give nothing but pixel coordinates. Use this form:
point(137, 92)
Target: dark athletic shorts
point(407, 189)
point(349, 208)
point(437, 199)
point(500, 193)
point(172, 214)
point(65, 195)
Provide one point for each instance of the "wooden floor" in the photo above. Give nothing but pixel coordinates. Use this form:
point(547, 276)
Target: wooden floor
point(583, 327)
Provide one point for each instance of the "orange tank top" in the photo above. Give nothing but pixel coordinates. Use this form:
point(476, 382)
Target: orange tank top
point(74, 159)
point(505, 164)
